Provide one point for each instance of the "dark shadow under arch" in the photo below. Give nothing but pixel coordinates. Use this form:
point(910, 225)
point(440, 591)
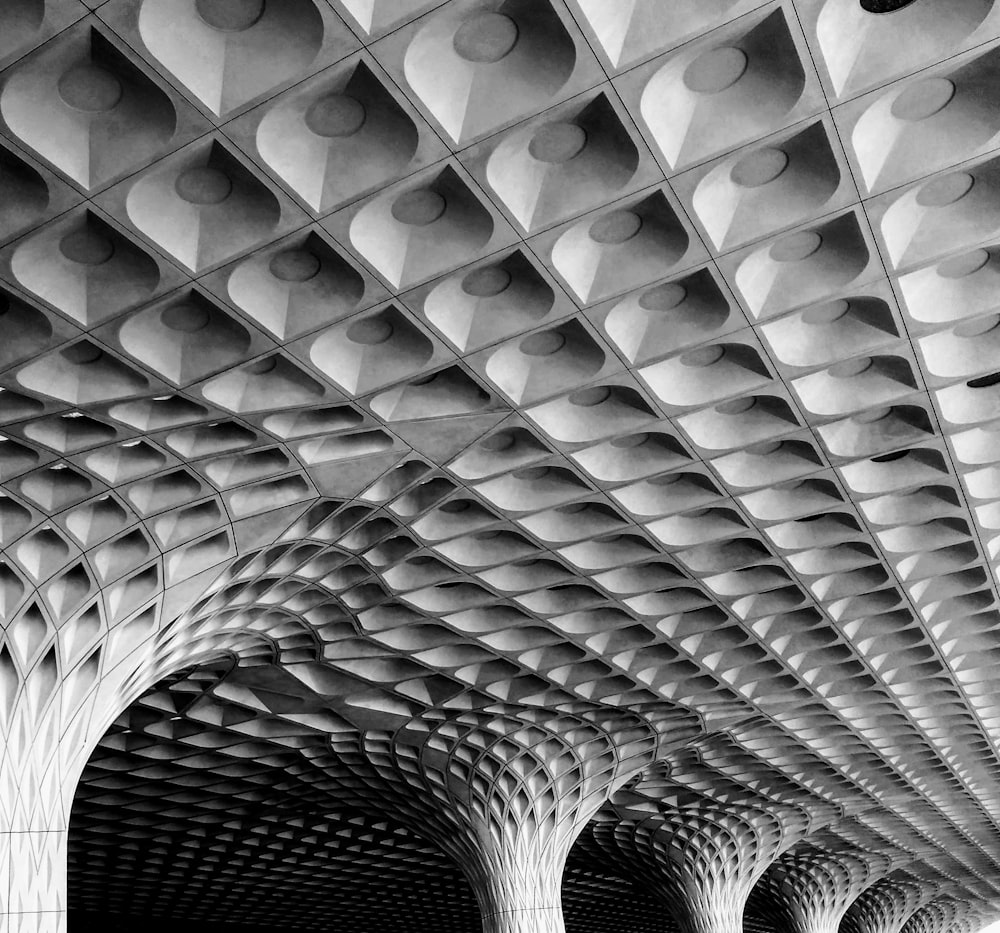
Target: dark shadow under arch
point(196, 810)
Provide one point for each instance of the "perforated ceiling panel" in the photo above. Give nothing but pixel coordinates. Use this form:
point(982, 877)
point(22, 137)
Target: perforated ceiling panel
point(576, 418)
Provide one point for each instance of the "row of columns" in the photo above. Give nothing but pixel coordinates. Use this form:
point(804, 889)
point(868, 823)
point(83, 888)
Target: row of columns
point(505, 790)
point(506, 794)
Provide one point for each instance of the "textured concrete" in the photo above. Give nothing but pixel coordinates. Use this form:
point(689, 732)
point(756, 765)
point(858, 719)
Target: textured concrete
point(550, 439)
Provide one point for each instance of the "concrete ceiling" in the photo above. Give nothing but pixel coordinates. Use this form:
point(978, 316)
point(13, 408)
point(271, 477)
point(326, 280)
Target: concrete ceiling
point(526, 424)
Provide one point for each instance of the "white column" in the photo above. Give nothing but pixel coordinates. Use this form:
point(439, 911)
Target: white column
point(34, 817)
point(507, 791)
point(523, 890)
point(59, 692)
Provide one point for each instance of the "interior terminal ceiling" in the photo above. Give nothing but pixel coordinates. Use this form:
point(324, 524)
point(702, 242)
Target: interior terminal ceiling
point(531, 463)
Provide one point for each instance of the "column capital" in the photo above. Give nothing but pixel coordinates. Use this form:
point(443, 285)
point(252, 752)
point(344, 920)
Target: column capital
point(507, 789)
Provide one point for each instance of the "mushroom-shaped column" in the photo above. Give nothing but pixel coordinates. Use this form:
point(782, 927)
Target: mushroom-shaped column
point(809, 888)
point(943, 915)
point(61, 683)
point(703, 859)
point(72, 657)
point(506, 790)
point(888, 904)
point(700, 840)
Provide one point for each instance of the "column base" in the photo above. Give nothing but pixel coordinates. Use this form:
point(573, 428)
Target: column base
point(43, 922)
point(33, 881)
point(525, 920)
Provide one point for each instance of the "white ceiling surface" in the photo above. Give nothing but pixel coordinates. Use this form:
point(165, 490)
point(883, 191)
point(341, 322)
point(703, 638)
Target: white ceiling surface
point(567, 356)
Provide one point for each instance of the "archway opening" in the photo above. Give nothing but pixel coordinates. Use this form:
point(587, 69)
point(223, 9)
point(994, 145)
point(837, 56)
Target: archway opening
point(204, 805)
point(201, 806)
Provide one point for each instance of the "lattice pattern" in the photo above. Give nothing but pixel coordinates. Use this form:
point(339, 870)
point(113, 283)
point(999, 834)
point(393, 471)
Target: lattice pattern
point(573, 407)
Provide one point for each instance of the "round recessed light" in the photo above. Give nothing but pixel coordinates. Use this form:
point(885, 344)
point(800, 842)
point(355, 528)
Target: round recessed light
point(703, 356)
point(486, 38)
point(827, 313)
point(544, 344)
point(82, 353)
point(796, 247)
point(958, 267)
point(418, 208)
point(923, 99)
point(760, 167)
point(736, 406)
point(615, 228)
point(588, 398)
point(557, 142)
point(203, 185)
point(502, 441)
point(89, 88)
point(87, 247)
point(663, 297)
point(370, 331)
point(294, 265)
point(977, 326)
point(630, 441)
point(850, 368)
point(486, 282)
point(872, 415)
point(884, 6)
point(187, 318)
point(946, 190)
point(261, 367)
point(984, 382)
point(335, 115)
point(716, 70)
point(230, 15)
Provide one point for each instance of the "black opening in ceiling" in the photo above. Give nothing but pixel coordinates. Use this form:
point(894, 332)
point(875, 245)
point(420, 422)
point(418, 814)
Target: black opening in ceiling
point(884, 6)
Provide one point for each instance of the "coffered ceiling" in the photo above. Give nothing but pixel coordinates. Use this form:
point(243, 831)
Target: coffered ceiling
point(481, 409)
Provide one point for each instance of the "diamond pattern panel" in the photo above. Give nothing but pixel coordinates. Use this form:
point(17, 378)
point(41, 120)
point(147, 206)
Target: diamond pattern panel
point(500, 373)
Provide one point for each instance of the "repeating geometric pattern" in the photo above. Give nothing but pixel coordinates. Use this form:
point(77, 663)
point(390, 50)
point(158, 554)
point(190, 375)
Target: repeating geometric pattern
point(530, 424)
